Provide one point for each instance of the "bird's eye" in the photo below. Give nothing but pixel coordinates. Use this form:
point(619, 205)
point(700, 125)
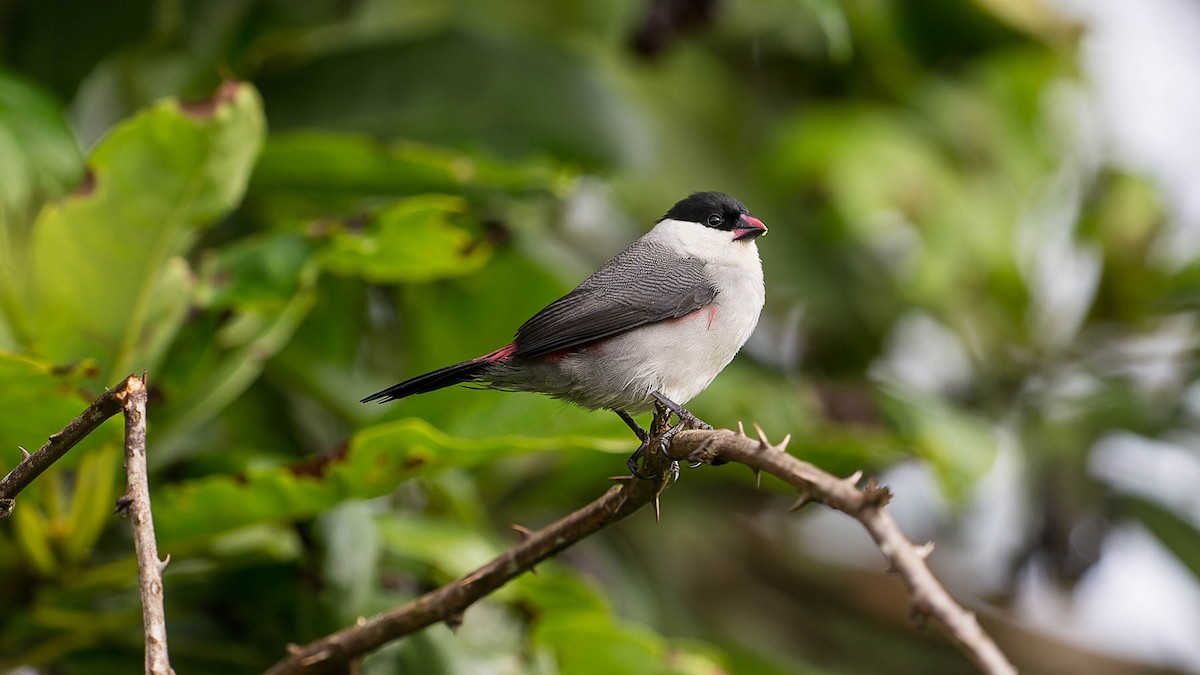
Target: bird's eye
point(715, 220)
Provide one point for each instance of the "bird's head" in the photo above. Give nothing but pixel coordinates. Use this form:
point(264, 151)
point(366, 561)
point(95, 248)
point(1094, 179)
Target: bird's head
point(720, 212)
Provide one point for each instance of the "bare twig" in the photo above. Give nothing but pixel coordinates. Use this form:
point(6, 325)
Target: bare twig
point(136, 503)
point(334, 652)
point(865, 505)
point(129, 397)
point(32, 466)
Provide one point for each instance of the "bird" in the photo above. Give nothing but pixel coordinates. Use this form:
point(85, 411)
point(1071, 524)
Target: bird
point(654, 325)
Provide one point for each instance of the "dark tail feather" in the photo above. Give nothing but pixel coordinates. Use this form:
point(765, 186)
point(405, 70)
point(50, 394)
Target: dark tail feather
point(442, 377)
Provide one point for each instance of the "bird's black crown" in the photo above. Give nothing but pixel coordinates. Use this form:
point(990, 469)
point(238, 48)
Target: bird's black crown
point(711, 209)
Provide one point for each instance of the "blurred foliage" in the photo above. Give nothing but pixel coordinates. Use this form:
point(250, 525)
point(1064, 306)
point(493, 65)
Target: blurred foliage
point(276, 208)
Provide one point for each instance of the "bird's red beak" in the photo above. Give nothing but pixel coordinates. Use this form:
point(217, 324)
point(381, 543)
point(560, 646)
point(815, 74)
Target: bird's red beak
point(749, 228)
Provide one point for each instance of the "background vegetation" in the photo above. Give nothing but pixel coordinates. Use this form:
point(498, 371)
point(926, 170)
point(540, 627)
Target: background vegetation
point(276, 208)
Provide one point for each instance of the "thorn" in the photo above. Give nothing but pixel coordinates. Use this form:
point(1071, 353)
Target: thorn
point(782, 447)
point(454, 621)
point(525, 532)
point(852, 479)
point(804, 498)
point(875, 494)
point(623, 480)
point(741, 429)
point(923, 550)
point(24, 453)
point(762, 436)
point(163, 564)
point(294, 649)
point(314, 658)
point(657, 510)
point(757, 479)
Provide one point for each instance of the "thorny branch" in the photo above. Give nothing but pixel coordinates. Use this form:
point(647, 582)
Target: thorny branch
point(57, 445)
point(866, 505)
point(136, 504)
point(334, 653)
point(128, 397)
point(338, 651)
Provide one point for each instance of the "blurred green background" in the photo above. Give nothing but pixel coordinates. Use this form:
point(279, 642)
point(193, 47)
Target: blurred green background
point(977, 290)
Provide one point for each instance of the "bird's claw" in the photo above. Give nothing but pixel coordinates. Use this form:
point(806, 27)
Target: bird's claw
point(633, 460)
point(664, 441)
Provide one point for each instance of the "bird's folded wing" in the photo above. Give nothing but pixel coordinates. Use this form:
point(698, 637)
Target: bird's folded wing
point(643, 284)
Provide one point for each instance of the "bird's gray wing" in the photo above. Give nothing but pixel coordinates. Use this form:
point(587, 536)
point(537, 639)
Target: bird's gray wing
point(643, 284)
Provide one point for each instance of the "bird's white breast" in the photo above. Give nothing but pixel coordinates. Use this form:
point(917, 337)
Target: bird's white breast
point(681, 357)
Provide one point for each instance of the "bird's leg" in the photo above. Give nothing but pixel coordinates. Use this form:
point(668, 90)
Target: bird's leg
point(643, 436)
point(664, 430)
point(686, 418)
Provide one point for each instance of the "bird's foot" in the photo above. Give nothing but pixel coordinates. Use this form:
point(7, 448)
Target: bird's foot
point(664, 444)
point(664, 440)
point(635, 458)
point(693, 422)
point(635, 468)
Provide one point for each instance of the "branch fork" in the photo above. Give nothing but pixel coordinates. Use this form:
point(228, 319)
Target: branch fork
point(129, 398)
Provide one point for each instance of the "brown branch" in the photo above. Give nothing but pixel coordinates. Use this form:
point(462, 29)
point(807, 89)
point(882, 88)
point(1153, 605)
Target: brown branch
point(32, 466)
point(865, 505)
point(128, 397)
point(335, 652)
point(136, 504)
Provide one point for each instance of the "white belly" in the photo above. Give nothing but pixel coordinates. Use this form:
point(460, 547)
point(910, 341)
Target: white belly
point(678, 358)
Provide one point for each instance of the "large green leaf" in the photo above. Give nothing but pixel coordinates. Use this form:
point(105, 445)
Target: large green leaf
point(39, 160)
point(255, 293)
point(462, 89)
point(323, 162)
point(960, 446)
point(1176, 532)
point(108, 283)
point(417, 239)
point(38, 153)
point(375, 462)
point(38, 400)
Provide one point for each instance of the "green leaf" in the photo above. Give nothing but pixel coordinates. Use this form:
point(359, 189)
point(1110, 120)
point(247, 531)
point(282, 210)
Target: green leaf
point(958, 445)
point(255, 274)
point(331, 163)
point(39, 160)
point(256, 291)
point(351, 562)
point(105, 286)
point(449, 547)
point(377, 460)
point(1176, 533)
point(517, 99)
point(414, 240)
point(39, 156)
point(38, 400)
point(590, 643)
point(91, 501)
point(33, 536)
